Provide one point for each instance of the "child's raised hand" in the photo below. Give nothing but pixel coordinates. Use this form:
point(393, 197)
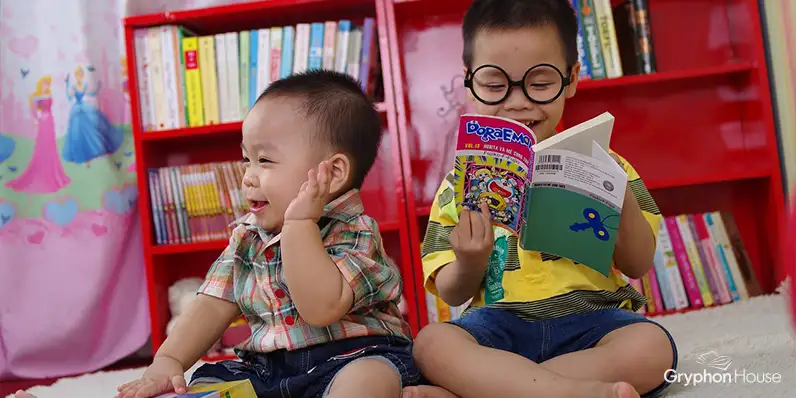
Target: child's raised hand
point(308, 204)
point(163, 376)
point(472, 239)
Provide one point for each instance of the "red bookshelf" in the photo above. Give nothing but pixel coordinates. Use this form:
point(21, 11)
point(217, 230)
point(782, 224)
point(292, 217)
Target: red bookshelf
point(383, 194)
point(700, 130)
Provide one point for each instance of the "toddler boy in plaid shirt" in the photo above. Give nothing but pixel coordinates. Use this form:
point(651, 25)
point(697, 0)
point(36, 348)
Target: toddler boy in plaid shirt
point(306, 267)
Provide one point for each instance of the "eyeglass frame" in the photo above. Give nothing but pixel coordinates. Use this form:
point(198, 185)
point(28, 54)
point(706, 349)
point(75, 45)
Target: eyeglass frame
point(565, 80)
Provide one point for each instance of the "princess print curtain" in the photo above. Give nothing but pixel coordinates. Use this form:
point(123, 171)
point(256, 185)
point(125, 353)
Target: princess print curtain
point(72, 284)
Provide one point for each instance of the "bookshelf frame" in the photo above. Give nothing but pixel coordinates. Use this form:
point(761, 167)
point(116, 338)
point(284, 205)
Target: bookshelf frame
point(166, 263)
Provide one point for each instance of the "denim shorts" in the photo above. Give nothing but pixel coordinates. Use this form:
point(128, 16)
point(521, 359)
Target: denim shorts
point(308, 372)
point(545, 339)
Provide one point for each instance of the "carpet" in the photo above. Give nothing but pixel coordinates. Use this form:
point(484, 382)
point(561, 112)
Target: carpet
point(744, 349)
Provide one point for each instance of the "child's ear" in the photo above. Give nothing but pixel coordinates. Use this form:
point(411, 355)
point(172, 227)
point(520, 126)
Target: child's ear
point(469, 92)
point(340, 172)
point(574, 74)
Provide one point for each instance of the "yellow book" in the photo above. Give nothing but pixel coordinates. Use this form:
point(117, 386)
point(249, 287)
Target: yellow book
point(193, 81)
point(209, 78)
point(230, 389)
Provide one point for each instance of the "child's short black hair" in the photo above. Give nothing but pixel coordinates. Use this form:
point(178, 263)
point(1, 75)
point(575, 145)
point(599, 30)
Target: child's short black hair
point(517, 14)
point(346, 118)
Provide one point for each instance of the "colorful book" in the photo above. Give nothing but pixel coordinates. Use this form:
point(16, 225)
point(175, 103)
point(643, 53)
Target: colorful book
point(563, 196)
point(231, 389)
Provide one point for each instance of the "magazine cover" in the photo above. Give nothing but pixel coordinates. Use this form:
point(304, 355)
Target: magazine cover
point(493, 159)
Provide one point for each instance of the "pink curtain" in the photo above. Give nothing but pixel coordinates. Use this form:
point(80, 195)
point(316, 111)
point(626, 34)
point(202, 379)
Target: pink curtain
point(72, 285)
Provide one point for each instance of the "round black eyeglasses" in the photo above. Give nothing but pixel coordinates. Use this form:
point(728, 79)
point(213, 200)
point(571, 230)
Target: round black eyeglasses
point(541, 84)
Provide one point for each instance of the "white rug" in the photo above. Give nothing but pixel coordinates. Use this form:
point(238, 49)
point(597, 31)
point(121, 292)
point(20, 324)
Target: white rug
point(716, 346)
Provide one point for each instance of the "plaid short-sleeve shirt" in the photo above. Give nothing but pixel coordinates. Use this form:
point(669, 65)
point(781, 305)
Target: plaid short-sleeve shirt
point(249, 273)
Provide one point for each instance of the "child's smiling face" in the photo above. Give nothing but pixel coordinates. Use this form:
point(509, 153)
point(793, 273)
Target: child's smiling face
point(515, 51)
point(277, 154)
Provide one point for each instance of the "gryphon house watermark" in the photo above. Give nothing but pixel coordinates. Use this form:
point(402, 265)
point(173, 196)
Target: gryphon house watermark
point(722, 375)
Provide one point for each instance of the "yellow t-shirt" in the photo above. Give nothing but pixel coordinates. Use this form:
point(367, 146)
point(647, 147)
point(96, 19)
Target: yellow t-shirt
point(535, 285)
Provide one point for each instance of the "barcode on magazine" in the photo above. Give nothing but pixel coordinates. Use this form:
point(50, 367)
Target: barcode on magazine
point(549, 166)
point(550, 159)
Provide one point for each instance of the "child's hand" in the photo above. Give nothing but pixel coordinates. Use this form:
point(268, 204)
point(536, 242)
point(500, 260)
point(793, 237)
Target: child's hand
point(163, 376)
point(308, 204)
point(472, 239)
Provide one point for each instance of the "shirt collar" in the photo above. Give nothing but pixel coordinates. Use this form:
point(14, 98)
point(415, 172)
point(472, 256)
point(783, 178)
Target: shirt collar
point(345, 208)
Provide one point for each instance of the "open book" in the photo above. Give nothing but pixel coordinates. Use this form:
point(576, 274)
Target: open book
point(562, 196)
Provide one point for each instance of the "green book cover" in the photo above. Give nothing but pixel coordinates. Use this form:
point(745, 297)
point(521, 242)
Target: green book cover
point(568, 202)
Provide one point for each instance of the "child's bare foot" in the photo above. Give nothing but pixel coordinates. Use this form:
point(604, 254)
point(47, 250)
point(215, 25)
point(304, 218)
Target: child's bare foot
point(427, 392)
point(623, 390)
point(23, 394)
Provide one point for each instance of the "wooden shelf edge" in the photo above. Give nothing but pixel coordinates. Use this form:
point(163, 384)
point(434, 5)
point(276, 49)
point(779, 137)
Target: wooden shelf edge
point(660, 77)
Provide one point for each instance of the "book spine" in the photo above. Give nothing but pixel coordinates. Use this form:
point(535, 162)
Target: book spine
point(583, 49)
point(193, 81)
point(153, 199)
point(182, 96)
point(156, 81)
point(263, 60)
point(301, 48)
point(693, 258)
point(704, 259)
point(222, 71)
point(341, 55)
point(329, 38)
point(254, 64)
point(607, 33)
point(143, 75)
point(744, 263)
point(207, 70)
point(672, 269)
point(659, 268)
point(711, 258)
point(721, 257)
point(316, 46)
point(288, 43)
point(244, 54)
point(168, 51)
point(646, 285)
point(643, 30)
point(233, 75)
point(354, 53)
point(276, 53)
point(684, 263)
point(729, 255)
point(591, 35)
point(369, 53)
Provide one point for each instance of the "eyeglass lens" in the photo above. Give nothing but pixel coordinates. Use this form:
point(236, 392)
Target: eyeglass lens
point(542, 83)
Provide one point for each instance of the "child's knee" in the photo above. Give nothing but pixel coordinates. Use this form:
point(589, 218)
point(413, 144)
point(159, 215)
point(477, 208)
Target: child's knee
point(436, 339)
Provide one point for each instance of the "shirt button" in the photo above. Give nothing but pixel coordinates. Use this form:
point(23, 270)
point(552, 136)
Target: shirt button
point(289, 320)
point(279, 293)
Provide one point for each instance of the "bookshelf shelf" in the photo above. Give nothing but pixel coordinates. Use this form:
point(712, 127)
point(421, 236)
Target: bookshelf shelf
point(664, 77)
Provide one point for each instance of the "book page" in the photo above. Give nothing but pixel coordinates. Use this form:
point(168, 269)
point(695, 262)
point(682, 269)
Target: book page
point(493, 156)
point(598, 179)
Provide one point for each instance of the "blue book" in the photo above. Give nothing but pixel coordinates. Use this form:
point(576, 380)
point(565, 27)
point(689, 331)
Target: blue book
point(288, 39)
point(254, 52)
point(659, 268)
point(583, 55)
point(316, 46)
